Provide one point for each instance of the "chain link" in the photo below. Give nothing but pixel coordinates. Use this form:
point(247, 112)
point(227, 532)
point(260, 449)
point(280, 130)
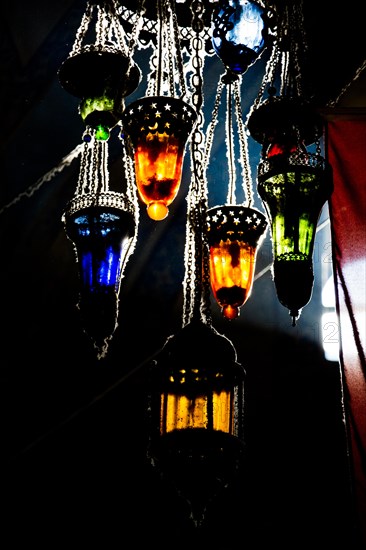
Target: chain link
point(243, 146)
point(196, 282)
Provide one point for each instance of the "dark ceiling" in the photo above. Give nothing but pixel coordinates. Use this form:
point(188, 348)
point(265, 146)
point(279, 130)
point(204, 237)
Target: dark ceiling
point(74, 427)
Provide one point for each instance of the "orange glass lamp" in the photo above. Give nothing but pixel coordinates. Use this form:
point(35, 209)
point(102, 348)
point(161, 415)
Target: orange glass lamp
point(234, 233)
point(157, 128)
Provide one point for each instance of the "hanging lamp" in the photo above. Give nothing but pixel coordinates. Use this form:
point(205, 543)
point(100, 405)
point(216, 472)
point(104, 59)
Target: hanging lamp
point(102, 228)
point(241, 30)
point(158, 126)
point(235, 231)
point(294, 180)
point(101, 73)
point(100, 223)
point(196, 403)
point(197, 407)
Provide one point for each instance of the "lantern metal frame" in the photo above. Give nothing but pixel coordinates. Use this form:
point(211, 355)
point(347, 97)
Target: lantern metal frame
point(235, 231)
point(290, 174)
point(102, 224)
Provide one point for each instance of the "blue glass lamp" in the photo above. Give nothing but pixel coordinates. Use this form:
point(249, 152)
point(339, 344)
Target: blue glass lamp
point(240, 32)
point(102, 229)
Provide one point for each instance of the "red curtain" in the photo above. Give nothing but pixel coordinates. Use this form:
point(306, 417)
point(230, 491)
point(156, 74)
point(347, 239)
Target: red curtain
point(346, 152)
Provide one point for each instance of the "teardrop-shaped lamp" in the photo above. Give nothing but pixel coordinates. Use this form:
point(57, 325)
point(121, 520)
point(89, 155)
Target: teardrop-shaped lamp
point(294, 184)
point(234, 234)
point(102, 229)
point(158, 128)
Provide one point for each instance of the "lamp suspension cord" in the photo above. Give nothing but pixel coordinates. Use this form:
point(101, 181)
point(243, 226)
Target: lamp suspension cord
point(230, 146)
point(211, 126)
point(160, 38)
point(243, 146)
point(82, 29)
point(196, 285)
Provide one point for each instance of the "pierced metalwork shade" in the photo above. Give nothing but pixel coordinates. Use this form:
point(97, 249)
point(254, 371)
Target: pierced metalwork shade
point(158, 128)
point(234, 233)
point(294, 185)
point(239, 33)
point(197, 408)
point(102, 228)
point(102, 77)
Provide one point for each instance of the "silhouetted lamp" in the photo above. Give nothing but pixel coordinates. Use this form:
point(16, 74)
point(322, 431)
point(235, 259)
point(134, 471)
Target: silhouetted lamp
point(158, 129)
point(102, 77)
point(294, 184)
point(102, 229)
point(293, 179)
point(101, 73)
point(197, 409)
point(102, 224)
point(240, 32)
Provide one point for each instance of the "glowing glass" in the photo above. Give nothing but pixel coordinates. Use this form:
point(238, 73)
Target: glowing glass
point(239, 33)
point(234, 234)
point(294, 189)
point(102, 237)
point(158, 128)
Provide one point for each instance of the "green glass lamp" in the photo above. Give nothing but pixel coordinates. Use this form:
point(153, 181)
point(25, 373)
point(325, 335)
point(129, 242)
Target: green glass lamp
point(293, 184)
point(102, 77)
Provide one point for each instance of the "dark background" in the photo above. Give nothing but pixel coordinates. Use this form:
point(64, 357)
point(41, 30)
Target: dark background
point(75, 428)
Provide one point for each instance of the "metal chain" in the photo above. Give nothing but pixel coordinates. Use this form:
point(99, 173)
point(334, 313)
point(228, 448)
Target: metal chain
point(243, 146)
point(230, 145)
point(82, 30)
point(212, 124)
point(178, 53)
point(129, 171)
point(170, 46)
point(82, 180)
point(136, 27)
point(66, 161)
point(196, 284)
point(100, 27)
point(268, 78)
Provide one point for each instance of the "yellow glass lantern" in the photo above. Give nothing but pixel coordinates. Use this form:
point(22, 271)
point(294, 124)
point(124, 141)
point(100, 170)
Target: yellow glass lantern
point(197, 414)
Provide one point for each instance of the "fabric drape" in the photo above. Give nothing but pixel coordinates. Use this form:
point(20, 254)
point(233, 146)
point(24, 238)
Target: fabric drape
point(346, 152)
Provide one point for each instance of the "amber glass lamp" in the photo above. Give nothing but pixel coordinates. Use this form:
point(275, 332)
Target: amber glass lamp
point(234, 233)
point(294, 184)
point(158, 128)
point(197, 408)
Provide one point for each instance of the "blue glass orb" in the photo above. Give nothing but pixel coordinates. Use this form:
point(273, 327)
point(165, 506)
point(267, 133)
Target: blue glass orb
point(239, 33)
